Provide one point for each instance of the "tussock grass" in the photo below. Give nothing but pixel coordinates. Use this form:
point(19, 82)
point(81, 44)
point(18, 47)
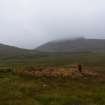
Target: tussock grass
point(29, 90)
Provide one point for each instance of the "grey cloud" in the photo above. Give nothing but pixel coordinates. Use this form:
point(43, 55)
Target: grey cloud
point(29, 23)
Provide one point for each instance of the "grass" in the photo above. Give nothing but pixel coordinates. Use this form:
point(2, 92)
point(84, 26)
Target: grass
point(26, 90)
point(16, 90)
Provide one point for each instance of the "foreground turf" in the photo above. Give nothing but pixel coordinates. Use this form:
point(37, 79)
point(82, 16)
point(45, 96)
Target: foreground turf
point(18, 89)
point(26, 90)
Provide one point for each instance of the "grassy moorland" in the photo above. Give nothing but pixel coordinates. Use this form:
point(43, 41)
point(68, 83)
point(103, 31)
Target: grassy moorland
point(18, 89)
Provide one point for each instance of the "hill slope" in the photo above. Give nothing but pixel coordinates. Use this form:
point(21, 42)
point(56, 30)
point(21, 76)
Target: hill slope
point(75, 45)
point(10, 51)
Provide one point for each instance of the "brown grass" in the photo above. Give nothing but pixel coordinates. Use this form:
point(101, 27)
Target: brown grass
point(57, 72)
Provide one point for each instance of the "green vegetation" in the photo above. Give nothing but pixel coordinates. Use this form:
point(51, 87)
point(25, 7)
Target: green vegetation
point(54, 59)
point(26, 90)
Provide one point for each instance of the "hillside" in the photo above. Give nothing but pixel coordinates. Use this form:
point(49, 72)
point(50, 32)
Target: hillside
point(74, 45)
point(10, 51)
point(65, 46)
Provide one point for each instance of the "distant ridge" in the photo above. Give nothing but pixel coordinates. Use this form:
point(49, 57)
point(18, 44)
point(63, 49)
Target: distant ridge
point(74, 45)
point(66, 45)
point(9, 51)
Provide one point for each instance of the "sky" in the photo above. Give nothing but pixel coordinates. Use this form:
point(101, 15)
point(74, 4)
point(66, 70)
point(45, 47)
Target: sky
point(30, 23)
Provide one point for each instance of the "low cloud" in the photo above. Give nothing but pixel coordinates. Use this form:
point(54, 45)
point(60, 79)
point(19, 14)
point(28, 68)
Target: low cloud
point(29, 23)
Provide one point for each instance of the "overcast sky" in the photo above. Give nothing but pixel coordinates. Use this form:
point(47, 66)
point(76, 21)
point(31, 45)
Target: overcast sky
point(29, 23)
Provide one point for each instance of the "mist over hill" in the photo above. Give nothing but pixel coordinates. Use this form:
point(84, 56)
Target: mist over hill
point(74, 45)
